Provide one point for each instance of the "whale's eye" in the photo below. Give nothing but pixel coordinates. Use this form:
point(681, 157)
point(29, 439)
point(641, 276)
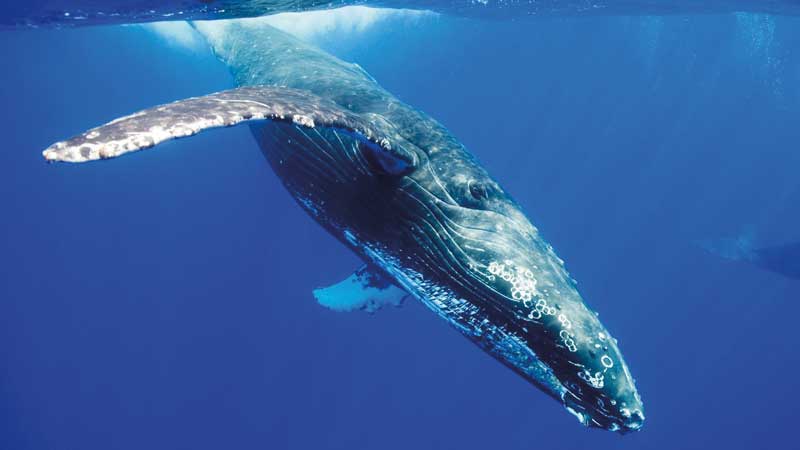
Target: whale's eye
point(478, 190)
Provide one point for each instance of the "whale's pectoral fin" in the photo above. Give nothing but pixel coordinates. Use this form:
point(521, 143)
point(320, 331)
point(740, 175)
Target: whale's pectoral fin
point(187, 117)
point(366, 289)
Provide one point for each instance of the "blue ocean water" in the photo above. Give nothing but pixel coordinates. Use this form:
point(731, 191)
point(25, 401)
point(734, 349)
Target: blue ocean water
point(163, 300)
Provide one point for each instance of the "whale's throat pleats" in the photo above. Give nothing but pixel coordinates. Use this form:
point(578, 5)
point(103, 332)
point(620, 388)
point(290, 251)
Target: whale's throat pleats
point(331, 175)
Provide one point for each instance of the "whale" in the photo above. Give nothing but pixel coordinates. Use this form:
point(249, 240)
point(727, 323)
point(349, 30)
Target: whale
point(43, 13)
point(401, 192)
point(782, 259)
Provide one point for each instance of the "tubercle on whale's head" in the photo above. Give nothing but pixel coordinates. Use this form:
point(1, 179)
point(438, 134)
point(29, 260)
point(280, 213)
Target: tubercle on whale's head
point(519, 277)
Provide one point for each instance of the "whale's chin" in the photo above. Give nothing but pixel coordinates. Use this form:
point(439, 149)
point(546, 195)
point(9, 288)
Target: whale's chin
point(626, 422)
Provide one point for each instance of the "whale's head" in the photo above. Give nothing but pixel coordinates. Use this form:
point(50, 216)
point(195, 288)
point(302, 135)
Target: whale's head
point(527, 310)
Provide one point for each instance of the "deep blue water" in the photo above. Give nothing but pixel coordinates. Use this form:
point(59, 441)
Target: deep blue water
point(163, 300)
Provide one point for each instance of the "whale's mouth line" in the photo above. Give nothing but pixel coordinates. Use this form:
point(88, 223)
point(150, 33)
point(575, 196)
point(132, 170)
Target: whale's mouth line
point(595, 416)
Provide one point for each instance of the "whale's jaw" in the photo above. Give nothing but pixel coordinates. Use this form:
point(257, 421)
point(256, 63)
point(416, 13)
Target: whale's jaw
point(622, 413)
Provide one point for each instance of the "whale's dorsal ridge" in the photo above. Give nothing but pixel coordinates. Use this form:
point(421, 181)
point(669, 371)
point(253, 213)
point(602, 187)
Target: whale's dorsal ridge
point(150, 127)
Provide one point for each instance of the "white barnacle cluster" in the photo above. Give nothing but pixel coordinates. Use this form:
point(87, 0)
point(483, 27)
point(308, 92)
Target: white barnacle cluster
point(303, 120)
point(523, 285)
point(597, 380)
point(566, 334)
point(541, 309)
point(523, 289)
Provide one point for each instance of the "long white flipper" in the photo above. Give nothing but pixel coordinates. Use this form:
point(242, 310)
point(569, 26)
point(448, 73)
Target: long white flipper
point(153, 126)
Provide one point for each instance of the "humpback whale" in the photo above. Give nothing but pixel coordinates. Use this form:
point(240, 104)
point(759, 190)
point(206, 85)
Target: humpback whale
point(781, 259)
point(395, 187)
point(90, 12)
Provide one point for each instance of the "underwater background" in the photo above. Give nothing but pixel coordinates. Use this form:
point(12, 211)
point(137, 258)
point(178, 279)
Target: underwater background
point(163, 300)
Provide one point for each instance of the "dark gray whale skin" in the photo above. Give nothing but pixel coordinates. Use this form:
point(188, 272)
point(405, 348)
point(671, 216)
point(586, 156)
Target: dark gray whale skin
point(398, 189)
point(39, 13)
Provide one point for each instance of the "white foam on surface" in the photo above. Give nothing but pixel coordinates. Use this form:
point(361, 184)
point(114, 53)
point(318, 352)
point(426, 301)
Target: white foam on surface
point(309, 26)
